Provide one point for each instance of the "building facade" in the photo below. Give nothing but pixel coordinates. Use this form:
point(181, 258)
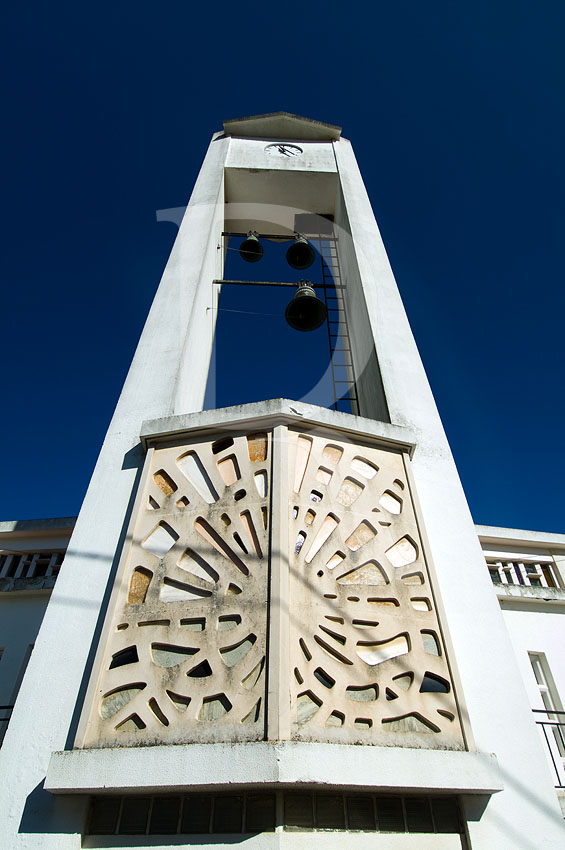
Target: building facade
point(274, 621)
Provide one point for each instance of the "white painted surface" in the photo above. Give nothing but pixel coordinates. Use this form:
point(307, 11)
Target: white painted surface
point(538, 631)
point(22, 609)
point(251, 153)
point(154, 769)
point(20, 618)
point(267, 414)
point(511, 536)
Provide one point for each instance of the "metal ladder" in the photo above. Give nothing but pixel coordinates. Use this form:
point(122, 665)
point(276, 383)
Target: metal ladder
point(341, 358)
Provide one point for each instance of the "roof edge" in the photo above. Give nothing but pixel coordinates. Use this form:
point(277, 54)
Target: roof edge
point(47, 524)
point(277, 124)
point(520, 535)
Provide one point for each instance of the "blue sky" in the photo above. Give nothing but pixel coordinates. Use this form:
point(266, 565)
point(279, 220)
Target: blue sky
point(455, 110)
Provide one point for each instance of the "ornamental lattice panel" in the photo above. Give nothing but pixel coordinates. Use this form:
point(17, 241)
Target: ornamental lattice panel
point(367, 655)
point(184, 654)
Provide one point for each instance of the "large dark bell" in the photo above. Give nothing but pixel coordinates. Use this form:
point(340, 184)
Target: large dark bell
point(251, 249)
point(305, 312)
point(300, 255)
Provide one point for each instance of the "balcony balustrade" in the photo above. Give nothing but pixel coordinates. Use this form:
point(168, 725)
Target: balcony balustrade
point(522, 574)
point(23, 570)
point(552, 725)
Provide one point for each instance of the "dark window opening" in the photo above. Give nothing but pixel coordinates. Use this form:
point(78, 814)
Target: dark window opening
point(251, 812)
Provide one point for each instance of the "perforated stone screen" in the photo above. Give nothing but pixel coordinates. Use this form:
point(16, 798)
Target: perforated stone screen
point(185, 654)
point(367, 654)
point(324, 605)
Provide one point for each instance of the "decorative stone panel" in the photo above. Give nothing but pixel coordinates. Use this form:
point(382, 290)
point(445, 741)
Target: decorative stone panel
point(346, 642)
point(367, 655)
point(185, 652)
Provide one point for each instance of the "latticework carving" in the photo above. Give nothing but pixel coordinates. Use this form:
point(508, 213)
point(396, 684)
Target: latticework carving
point(185, 655)
point(367, 654)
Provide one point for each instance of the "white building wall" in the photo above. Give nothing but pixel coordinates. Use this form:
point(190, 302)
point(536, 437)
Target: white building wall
point(537, 631)
point(20, 618)
point(24, 596)
point(542, 632)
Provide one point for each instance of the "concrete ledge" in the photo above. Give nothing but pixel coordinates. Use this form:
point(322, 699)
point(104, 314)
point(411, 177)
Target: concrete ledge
point(494, 534)
point(551, 595)
point(27, 585)
point(277, 411)
point(262, 764)
point(38, 524)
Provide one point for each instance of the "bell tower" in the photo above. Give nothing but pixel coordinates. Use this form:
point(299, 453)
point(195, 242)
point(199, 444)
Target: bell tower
point(274, 616)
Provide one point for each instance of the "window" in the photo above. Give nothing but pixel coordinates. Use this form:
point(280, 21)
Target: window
point(549, 697)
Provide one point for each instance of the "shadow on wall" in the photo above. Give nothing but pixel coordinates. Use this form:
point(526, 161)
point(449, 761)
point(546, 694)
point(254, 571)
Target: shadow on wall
point(45, 813)
point(48, 814)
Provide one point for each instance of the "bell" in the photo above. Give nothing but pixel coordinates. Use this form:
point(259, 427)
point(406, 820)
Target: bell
point(305, 312)
point(251, 249)
point(300, 255)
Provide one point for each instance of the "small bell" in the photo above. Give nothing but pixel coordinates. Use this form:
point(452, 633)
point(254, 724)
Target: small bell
point(305, 312)
point(251, 249)
point(300, 255)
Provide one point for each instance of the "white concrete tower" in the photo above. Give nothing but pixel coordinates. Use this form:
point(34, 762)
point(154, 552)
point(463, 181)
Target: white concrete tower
point(275, 620)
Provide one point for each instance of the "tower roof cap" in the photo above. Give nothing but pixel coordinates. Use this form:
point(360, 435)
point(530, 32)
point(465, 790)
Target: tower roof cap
point(282, 125)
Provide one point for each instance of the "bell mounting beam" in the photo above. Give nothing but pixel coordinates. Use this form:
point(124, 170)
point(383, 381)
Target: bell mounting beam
point(275, 283)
